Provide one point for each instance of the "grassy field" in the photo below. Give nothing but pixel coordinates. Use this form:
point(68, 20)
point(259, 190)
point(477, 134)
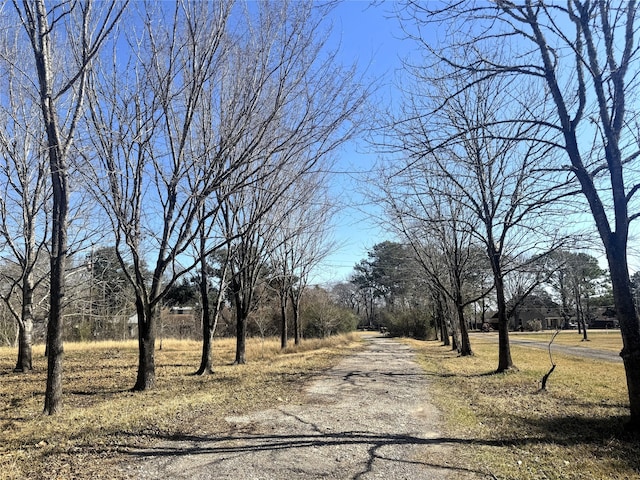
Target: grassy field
point(102, 418)
point(504, 427)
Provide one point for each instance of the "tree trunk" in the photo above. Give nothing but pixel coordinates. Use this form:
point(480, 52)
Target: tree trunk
point(436, 326)
point(25, 341)
point(146, 379)
point(241, 326)
point(629, 327)
point(446, 340)
point(53, 394)
point(585, 318)
point(296, 321)
point(579, 311)
point(241, 337)
point(25, 329)
point(242, 313)
point(455, 329)
point(615, 243)
point(454, 340)
point(504, 348)
point(444, 332)
point(465, 347)
point(40, 41)
point(283, 321)
point(209, 324)
point(206, 361)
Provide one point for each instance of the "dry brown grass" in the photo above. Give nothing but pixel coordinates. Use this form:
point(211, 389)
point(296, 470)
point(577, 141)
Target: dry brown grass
point(102, 418)
point(502, 425)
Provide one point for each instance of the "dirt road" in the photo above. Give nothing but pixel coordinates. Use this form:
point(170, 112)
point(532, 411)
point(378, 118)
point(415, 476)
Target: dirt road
point(369, 417)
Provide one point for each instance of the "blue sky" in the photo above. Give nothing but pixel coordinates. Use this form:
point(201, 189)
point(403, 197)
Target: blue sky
point(370, 36)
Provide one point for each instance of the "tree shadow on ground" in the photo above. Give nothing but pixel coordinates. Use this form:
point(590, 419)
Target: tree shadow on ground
point(605, 437)
point(354, 375)
point(227, 446)
point(574, 429)
point(490, 373)
point(100, 392)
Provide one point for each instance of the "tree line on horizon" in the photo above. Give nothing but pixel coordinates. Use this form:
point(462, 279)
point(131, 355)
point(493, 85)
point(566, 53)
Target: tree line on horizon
point(393, 290)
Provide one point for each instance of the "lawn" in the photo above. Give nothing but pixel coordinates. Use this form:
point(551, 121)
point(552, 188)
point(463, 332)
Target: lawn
point(102, 418)
point(504, 427)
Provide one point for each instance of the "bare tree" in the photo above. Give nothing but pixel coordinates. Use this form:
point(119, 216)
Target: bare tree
point(64, 38)
point(584, 53)
point(425, 212)
point(152, 174)
point(310, 247)
point(303, 241)
point(206, 111)
point(258, 222)
point(253, 219)
point(245, 220)
point(346, 296)
point(212, 264)
point(24, 198)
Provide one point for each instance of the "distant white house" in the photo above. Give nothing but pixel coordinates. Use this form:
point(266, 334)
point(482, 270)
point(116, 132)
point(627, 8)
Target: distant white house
point(177, 322)
point(132, 325)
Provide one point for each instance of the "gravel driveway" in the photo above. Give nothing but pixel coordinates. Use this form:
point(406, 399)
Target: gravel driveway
point(369, 417)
